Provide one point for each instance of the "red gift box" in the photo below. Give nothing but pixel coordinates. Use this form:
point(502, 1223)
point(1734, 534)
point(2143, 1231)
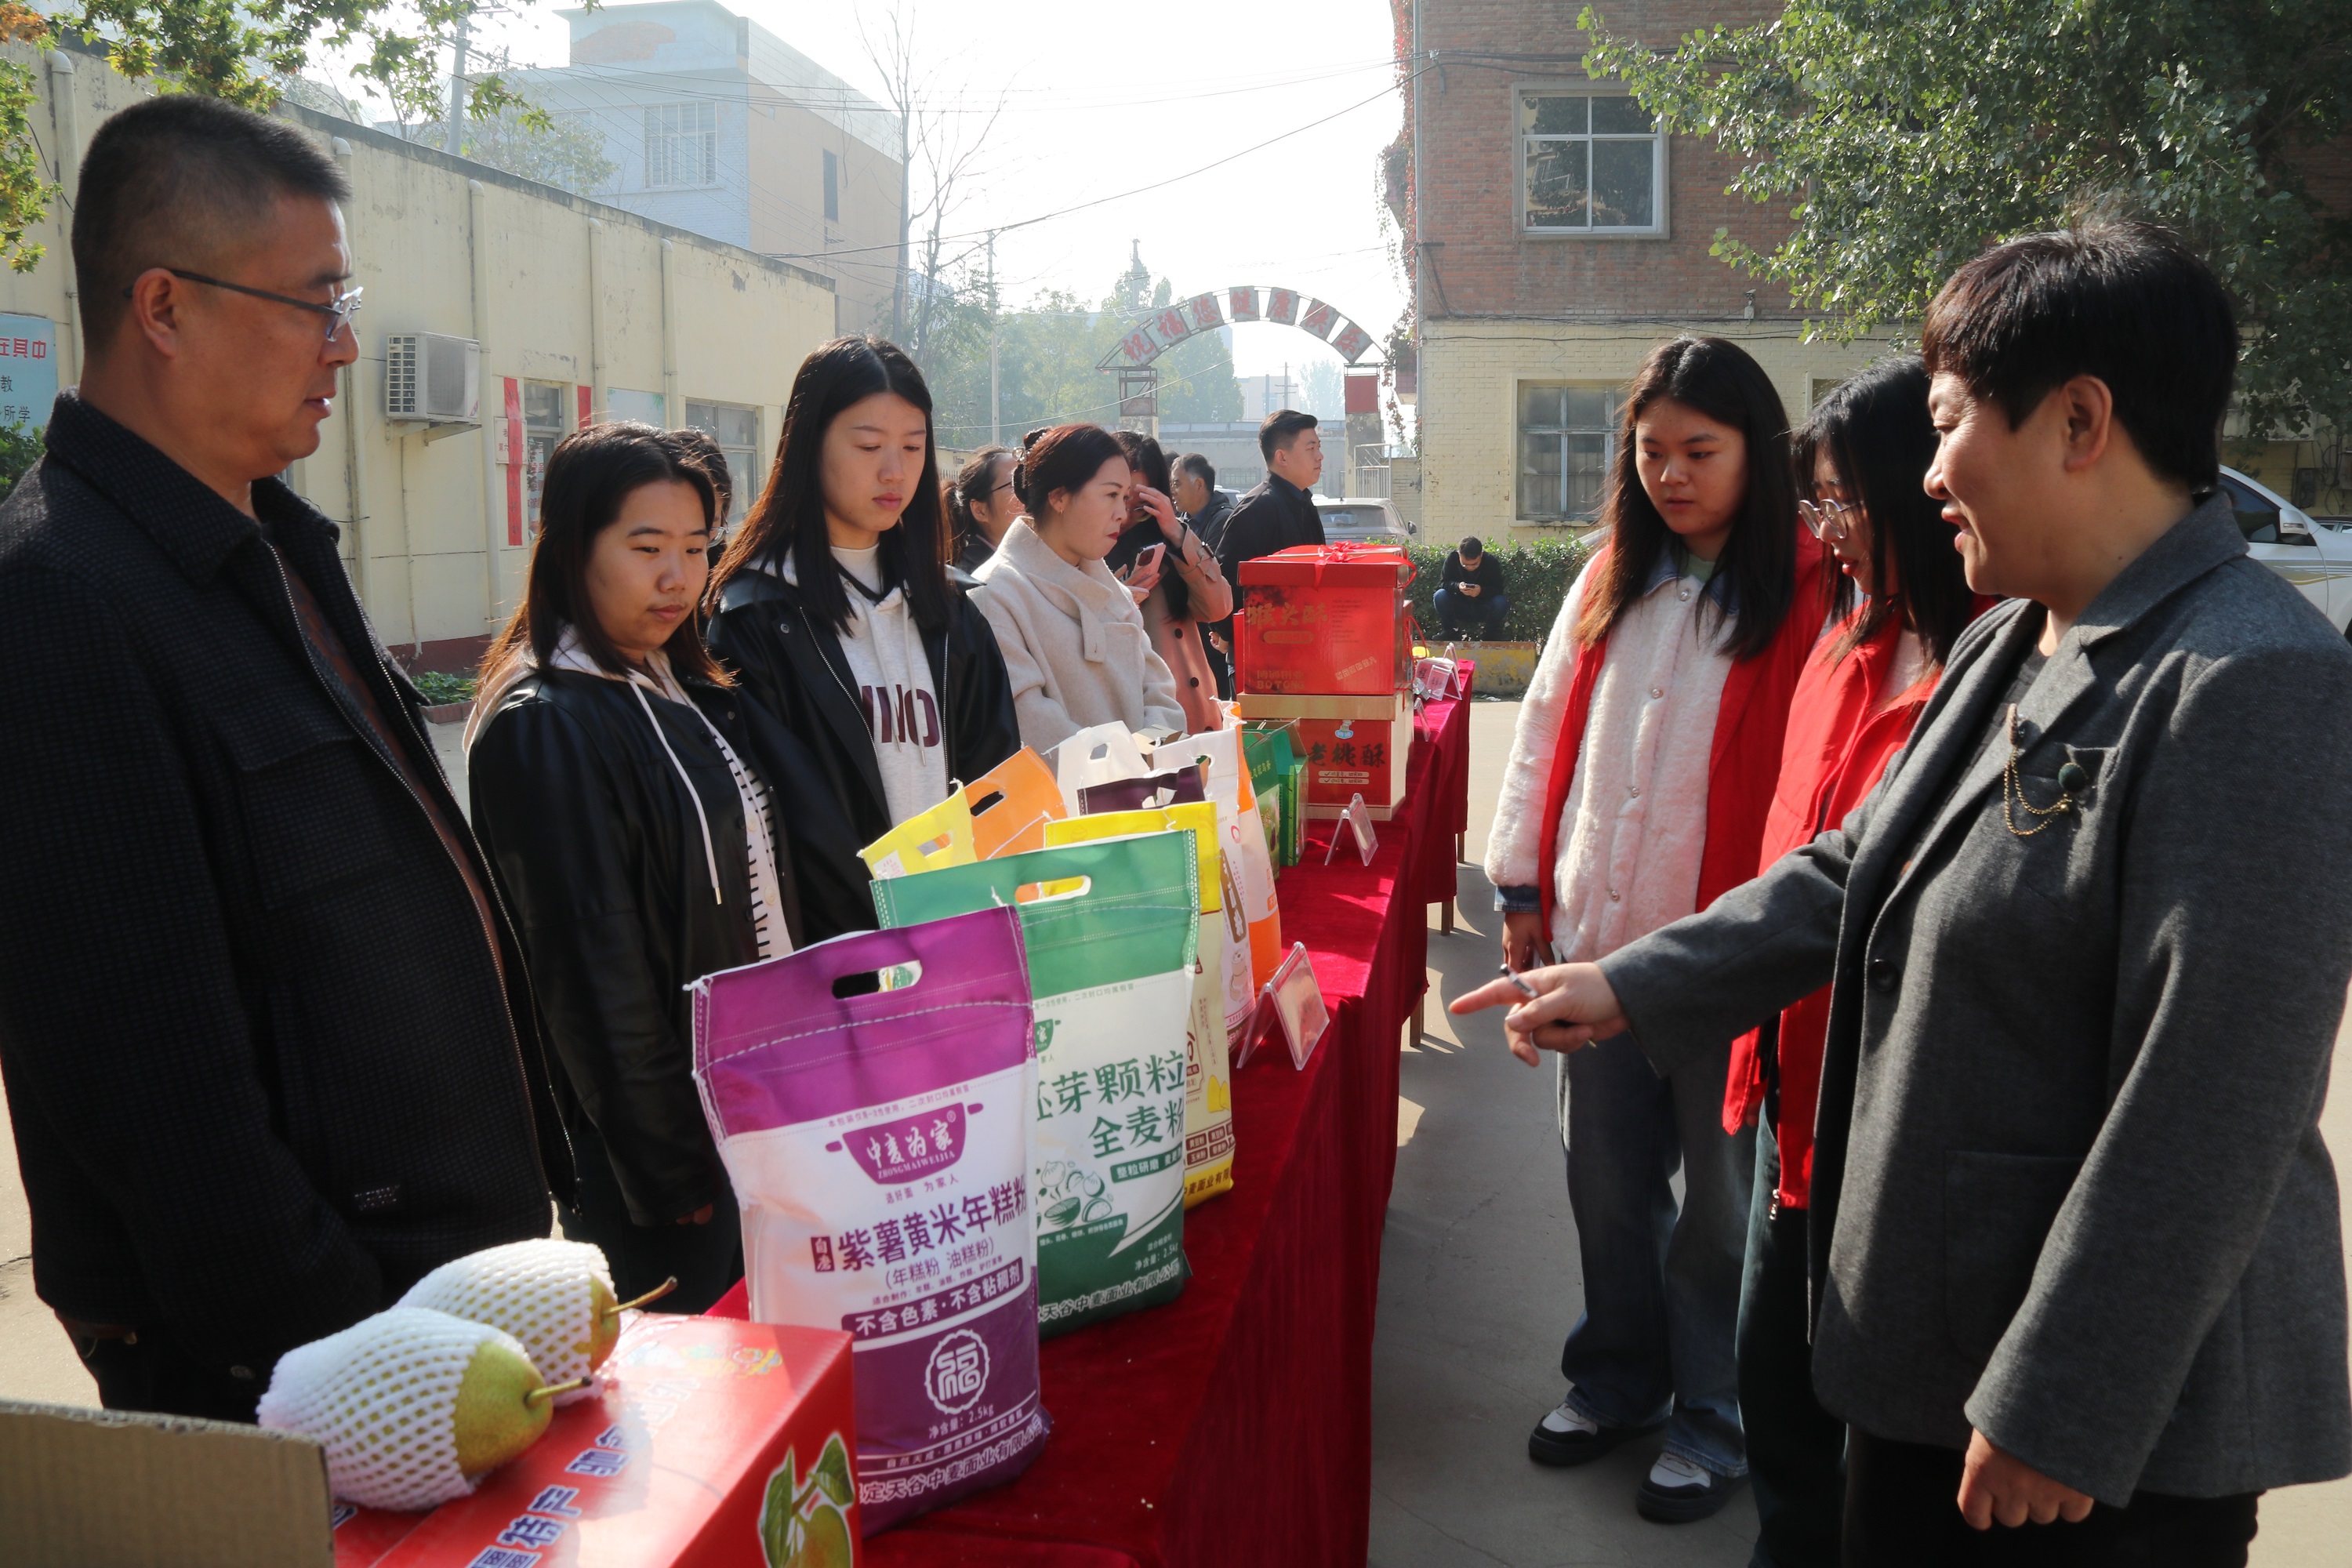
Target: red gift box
point(1324, 619)
point(681, 1460)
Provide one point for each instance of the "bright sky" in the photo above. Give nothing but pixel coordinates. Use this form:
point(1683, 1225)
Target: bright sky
point(1102, 100)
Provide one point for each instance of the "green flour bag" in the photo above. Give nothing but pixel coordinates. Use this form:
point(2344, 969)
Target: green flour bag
point(1110, 929)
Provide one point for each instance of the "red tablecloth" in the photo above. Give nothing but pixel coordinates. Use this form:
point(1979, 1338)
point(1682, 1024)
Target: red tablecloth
point(1234, 1425)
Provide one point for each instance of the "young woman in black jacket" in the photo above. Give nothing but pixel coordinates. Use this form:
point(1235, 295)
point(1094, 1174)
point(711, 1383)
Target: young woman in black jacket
point(633, 806)
point(833, 603)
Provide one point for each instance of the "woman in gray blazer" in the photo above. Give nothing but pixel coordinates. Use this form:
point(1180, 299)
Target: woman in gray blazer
point(2078, 1282)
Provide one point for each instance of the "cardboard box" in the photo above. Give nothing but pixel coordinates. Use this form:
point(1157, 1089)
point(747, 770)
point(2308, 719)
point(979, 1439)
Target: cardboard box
point(83, 1487)
point(1324, 619)
point(677, 1463)
point(1352, 745)
point(673, 1464)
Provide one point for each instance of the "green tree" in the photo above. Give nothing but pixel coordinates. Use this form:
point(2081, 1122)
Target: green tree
point(20, 447)
point(1902, 136)
point(566, 153)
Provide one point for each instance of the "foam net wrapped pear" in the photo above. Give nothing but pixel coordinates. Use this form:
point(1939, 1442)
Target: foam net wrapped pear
point(546, 1293)
point(381, 1398)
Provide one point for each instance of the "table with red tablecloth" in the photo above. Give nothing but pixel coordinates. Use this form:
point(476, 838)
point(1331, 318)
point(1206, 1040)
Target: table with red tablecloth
point(1234, 1425)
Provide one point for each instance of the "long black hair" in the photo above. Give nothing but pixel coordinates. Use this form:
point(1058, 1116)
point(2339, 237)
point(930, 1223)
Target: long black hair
point(788, 520)
point(974, 486)
point(1150, 462)
point(1718, 378)
point(1875, 432)
point(590, 474)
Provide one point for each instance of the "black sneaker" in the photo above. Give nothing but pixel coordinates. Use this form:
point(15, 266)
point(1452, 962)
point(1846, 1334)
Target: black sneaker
point(1677, 1491)
point(1567, 1437)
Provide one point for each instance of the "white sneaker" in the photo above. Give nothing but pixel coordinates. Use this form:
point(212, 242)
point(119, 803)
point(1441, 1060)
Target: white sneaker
point(1569, 1437)
point(1673, 1470)
point(1568, 1418)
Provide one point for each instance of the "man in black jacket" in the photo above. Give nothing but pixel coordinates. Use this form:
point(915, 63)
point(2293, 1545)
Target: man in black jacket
point(1279, 512)
point(1470, 587)
point(1207, 510)
point(268, 1038)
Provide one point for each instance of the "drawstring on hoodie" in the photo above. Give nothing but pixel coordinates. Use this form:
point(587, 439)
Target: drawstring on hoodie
point(709, 856)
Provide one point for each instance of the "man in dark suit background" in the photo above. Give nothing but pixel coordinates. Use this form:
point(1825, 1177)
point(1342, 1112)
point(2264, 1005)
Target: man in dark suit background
point(269, 1043)
point(1278, 513)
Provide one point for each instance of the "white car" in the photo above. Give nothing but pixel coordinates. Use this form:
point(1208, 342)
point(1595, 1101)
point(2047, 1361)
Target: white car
point(1363, 520)
point(2313, 553)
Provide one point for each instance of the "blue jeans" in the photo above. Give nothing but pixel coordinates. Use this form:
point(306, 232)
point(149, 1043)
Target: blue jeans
point(1487, 610)
point(1660, 1286)
point(1796, 1449)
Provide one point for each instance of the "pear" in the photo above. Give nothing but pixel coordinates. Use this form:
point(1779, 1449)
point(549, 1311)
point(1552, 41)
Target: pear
point(410, 1405)
point(556, 1297)
point(503, 1406)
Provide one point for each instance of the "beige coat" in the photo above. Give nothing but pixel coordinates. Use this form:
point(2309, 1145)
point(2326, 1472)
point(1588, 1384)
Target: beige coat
point(1074, 644)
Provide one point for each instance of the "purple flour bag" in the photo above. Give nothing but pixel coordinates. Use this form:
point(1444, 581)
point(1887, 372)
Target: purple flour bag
point(879, 1149)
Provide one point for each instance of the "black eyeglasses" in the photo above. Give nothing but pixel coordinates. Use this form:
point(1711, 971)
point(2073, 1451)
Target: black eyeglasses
point(337, 311)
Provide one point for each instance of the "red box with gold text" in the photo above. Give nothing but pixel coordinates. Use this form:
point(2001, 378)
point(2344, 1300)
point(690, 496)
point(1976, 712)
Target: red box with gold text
point(1353, 746)
point(1323, 620)
point(707, 1431)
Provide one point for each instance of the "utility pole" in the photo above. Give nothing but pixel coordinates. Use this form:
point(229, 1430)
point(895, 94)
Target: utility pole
point(905, 170)
point(454, 141)
point(995, 430)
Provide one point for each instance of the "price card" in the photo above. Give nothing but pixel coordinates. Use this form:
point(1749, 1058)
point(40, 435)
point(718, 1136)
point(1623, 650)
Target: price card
point(1297, 998)
point(1358, 819)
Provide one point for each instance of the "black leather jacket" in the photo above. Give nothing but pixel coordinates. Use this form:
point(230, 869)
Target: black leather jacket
point(792, 662)
point(599, 851)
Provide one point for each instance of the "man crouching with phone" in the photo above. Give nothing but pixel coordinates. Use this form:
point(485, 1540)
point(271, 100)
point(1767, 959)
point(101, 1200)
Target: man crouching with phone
point(2076, 1259)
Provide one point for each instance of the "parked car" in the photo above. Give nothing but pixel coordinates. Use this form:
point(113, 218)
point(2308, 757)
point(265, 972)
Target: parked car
point(1364, 520)
point(2313, 553)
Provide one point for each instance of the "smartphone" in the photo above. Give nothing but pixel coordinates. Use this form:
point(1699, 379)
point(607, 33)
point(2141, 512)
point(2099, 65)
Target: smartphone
point(1150, 560)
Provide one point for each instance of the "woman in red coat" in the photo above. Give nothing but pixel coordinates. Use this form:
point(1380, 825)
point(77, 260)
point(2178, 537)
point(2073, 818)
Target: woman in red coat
point(1898, 600)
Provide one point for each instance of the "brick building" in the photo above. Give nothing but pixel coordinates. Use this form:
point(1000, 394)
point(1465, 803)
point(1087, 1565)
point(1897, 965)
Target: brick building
point(1557, 236)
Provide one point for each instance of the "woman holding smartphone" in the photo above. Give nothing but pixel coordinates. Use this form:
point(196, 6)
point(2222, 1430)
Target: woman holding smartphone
point(1072, 634)
point(1181, 582)
point(834, 605)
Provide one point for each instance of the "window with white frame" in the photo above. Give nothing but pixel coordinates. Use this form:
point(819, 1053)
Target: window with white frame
point(681, 144)
point(1589, 164)
point(1567, 436)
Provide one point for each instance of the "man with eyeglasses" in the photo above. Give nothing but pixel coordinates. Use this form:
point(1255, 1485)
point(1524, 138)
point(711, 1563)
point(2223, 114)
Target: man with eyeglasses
point(270, 1047)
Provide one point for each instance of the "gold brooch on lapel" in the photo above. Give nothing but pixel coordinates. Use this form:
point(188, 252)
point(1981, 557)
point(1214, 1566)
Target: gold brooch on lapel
point(2071, 778)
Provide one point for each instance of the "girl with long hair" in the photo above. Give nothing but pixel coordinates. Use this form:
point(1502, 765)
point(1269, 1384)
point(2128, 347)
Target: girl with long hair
point(630, 802)
point(1073, 636)
point(982, 504)
point(1636, 789)
point(1900, 599)
point(833, 603)
point(1182, 584)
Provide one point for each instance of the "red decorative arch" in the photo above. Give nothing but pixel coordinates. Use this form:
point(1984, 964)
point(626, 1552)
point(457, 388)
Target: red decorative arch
point(1171, 324)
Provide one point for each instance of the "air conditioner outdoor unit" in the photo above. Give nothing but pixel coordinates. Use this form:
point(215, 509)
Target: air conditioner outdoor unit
point(432, 378)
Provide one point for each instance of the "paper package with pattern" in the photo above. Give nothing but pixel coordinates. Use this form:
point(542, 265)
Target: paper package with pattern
point(878, 1144)
point(1208, 1059)
point(1111, 929)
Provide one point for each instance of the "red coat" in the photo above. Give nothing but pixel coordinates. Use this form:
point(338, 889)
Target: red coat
point(1746, 756)
point(1839, 739)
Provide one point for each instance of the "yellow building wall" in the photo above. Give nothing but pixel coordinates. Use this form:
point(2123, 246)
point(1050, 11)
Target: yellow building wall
point(556, 287)
point(1470, 373)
